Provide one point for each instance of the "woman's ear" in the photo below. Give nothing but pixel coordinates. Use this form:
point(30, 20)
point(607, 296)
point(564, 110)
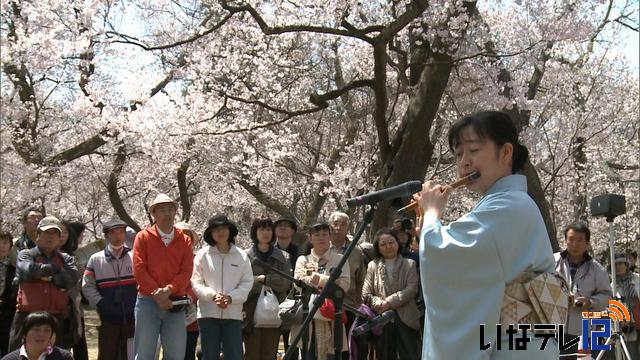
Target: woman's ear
point(506, 153)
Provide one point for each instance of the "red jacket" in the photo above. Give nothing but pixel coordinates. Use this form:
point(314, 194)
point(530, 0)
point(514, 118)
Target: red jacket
point(156, 265)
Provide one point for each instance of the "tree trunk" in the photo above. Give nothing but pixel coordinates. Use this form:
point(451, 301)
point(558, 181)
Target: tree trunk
point(580, 186)
point(112, 188)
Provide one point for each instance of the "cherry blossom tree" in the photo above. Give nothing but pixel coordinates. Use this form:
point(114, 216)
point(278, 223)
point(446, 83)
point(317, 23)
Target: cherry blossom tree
point(290, 107)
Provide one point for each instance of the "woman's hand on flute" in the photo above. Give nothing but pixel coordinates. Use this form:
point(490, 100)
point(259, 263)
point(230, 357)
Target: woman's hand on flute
point(433, 198)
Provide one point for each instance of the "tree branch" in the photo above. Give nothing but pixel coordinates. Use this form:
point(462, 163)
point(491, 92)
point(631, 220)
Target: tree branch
point(263, 198)
point(276, 109)
point(275, 30)
point(414, 10)
point(321, 99)
point(617, 166)
point(136, 42)
point(84, 148)
point(626, 25)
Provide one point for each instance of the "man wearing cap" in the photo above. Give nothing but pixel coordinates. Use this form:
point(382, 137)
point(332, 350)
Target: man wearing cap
point(286, 228)
point(45, 275)
point(162, 267)
point(110, 288)
point(339, 223)
point(628, 289)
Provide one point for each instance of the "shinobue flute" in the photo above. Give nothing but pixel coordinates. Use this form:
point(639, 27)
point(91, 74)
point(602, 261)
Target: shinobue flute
point(464, 181)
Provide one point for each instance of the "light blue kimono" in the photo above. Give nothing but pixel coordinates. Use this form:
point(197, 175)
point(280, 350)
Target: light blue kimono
point(465, 266)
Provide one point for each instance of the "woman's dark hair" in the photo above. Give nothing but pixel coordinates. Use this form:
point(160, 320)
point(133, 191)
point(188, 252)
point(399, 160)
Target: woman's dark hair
point(376, 240)
point(580, 227)
point(496, 126)
point(262, 223)
point(74, 228)
point(217, 221)
point(39, 318)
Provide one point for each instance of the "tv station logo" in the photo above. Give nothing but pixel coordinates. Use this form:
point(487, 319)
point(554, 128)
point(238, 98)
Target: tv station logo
point(602, 322)
point(596, 325)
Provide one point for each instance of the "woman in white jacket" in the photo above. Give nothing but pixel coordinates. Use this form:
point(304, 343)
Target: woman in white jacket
point(222, 279)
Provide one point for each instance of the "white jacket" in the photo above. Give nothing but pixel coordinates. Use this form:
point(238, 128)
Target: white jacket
point(229, 274)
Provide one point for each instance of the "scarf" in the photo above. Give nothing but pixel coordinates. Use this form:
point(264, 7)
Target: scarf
point(264, 256)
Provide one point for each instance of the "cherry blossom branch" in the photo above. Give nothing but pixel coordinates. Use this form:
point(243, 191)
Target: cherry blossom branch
point(126, 39)
point(414, 9)
point(275, 30)
point(86, 147)
point(617, 166)
point(619, 21)
point(278, 110)
point(321, 99)
point(494, 54)
point(263, 198)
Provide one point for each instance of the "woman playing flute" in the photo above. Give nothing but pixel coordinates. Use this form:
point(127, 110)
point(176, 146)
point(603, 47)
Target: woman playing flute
point(466, 265)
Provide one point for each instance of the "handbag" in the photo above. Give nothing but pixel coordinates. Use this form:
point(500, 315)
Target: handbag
point(328, 310)
point(267, 310)
point(290, 313)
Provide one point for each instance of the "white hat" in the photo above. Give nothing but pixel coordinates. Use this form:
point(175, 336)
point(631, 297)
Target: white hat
point(162, 199)
point(49, 222)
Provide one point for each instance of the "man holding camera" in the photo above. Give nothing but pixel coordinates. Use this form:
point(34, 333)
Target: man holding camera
point(588, 281)
point(109, 286)
point(162, 267)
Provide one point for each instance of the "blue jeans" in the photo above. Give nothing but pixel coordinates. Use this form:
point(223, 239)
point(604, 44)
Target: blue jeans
point(152, 321)
point(216, 331)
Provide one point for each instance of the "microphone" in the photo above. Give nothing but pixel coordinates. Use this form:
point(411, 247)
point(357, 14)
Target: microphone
point(374, 322)
point(407, 189)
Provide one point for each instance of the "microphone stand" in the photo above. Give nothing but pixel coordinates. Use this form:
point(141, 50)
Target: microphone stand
point(307, 291)
point(335, 293)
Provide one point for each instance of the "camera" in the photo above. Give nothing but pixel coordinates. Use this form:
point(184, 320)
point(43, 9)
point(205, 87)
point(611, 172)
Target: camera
point(183, 300)
point(577, 303)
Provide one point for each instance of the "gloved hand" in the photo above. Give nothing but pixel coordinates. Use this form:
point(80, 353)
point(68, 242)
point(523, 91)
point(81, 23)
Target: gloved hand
point(50, 269)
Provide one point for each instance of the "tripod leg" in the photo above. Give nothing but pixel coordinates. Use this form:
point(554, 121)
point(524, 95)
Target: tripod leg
point(609, 341)
point(624, 349)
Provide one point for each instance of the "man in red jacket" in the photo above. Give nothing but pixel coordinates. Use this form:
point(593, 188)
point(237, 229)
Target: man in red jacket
point(162, 266)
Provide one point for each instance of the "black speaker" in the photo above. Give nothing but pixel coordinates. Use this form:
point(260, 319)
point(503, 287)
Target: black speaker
point(608, 205)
